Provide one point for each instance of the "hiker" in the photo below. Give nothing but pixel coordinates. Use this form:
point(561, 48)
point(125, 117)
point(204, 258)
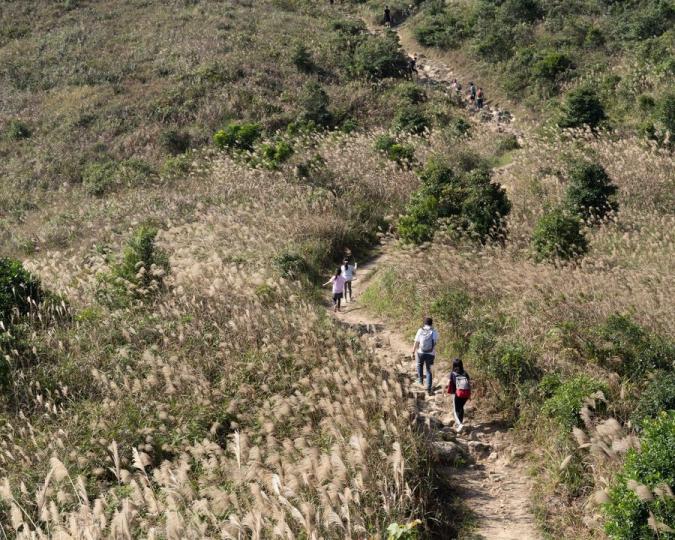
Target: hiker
point(412, 66)
point(387, 16)
point(472, 92)
point(459, 385)
point(424, 352)
point(479, 98)
point(338, 282)
point(348, 271)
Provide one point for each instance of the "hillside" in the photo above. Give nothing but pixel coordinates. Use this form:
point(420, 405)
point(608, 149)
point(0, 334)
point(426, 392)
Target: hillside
point(181, 177)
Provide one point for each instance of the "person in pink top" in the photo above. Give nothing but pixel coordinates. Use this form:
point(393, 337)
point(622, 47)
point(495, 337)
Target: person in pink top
point(338, 281)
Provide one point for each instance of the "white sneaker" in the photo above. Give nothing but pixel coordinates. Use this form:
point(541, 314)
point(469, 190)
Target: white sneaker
point(460, 428)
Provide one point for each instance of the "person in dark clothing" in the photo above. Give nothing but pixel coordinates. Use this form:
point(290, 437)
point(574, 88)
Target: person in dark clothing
point(459, 385)
point(472, 92)
point(412, 66)
point(387, 16)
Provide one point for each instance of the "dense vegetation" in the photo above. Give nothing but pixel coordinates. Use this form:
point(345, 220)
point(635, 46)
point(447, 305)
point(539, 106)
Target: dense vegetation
point(599, 54)
point(183, 174)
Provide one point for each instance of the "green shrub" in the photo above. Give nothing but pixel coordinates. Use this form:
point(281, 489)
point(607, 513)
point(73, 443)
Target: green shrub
point(516, 11)
point(510, 364)
point(379, 57)
point(410, 93)
point(558, 236)
point(443, 30)
point(99, 178)
point(314, 101)
point(238, 136)
point(175, 142)
point(275, 153)
point(666, 113)
point(403, 154)
point(133, 172)
point(291, 265)
point(410, 119)
point(552, 66)
point(143, 263)
point(644, 487)
point(568, 399)
point(451, 307)
point(470, 202)
point(590, 193)
point(17, 130)
point(176, 165)
point(507, 143)
point(302, 58)
point(630, 350)
point(657, 396)
point(582, 108)
point(19, 290)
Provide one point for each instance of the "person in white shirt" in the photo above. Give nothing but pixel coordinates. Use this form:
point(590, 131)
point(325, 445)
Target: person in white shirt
point(424, 352)
point(348, 272)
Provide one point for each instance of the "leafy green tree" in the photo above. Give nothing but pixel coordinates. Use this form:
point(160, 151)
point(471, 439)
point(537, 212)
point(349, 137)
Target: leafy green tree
point(590, 193)
point(558, 236)
point(582, 108)
point(314, 102)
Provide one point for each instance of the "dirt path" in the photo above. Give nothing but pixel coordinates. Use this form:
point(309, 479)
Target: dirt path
point(483, 461)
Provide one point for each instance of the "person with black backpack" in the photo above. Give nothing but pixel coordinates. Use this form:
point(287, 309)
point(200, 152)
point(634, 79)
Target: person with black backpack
point(424, 352)
point(387, 16)
point(459, 386)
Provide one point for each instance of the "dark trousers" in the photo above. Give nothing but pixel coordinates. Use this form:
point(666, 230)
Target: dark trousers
point(459, 408)
point(348, 289)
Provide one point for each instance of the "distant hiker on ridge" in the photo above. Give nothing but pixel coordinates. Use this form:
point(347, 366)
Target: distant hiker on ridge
point(424, 352)
point(459, 385)
point(338, 282)
point(472, 93)
point(387, 16)
point(348, 271)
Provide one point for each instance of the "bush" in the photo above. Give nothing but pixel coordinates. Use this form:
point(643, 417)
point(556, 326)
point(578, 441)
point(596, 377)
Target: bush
point(657, 396)
point(582, 108)
point(379, 57)
point(568, 398)
point(314, 101)
point(558, 236)
point(302, 58)
point(470, 202)
point(403, 154)
point(642, 492)
point(442, 30)
point(410, 119)
point(17, 130)
point(238, 136)
point(410, 93)
point(19, 290)
point(99, 178)
point(510, 364)
point(590, 193)
point(451, 307)
point(507, 143)
point(666, 113)
point(143, 263)
point(175, 142)
point(516, 11)
point(551, 66)
point(273, 154)
point(628, 349)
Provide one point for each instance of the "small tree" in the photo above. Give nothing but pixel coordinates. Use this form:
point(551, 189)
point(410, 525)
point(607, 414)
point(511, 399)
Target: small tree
point(582, 108)
point(238, 136)
point(558, 236)
point(315, 104)
point(302, 58)
point(379, 57)
point(19, 289)
point(143, 263)
point(590, 193)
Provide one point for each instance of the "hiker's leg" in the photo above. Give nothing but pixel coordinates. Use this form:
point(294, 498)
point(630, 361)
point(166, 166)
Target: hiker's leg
point(459, 403)
point(348, 289)
point(420, 368)
point(339, 298)
point(429, 363)
point(455, 399)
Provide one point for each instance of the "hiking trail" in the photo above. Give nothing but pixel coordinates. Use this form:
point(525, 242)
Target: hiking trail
point(494, 484)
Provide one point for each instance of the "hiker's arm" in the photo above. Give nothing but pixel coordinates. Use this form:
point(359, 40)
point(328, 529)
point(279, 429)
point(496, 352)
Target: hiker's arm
point(415, 345)
point(328, 282)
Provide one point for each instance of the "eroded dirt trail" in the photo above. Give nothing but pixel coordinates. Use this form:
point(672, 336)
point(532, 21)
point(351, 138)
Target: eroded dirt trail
point(483, 461)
